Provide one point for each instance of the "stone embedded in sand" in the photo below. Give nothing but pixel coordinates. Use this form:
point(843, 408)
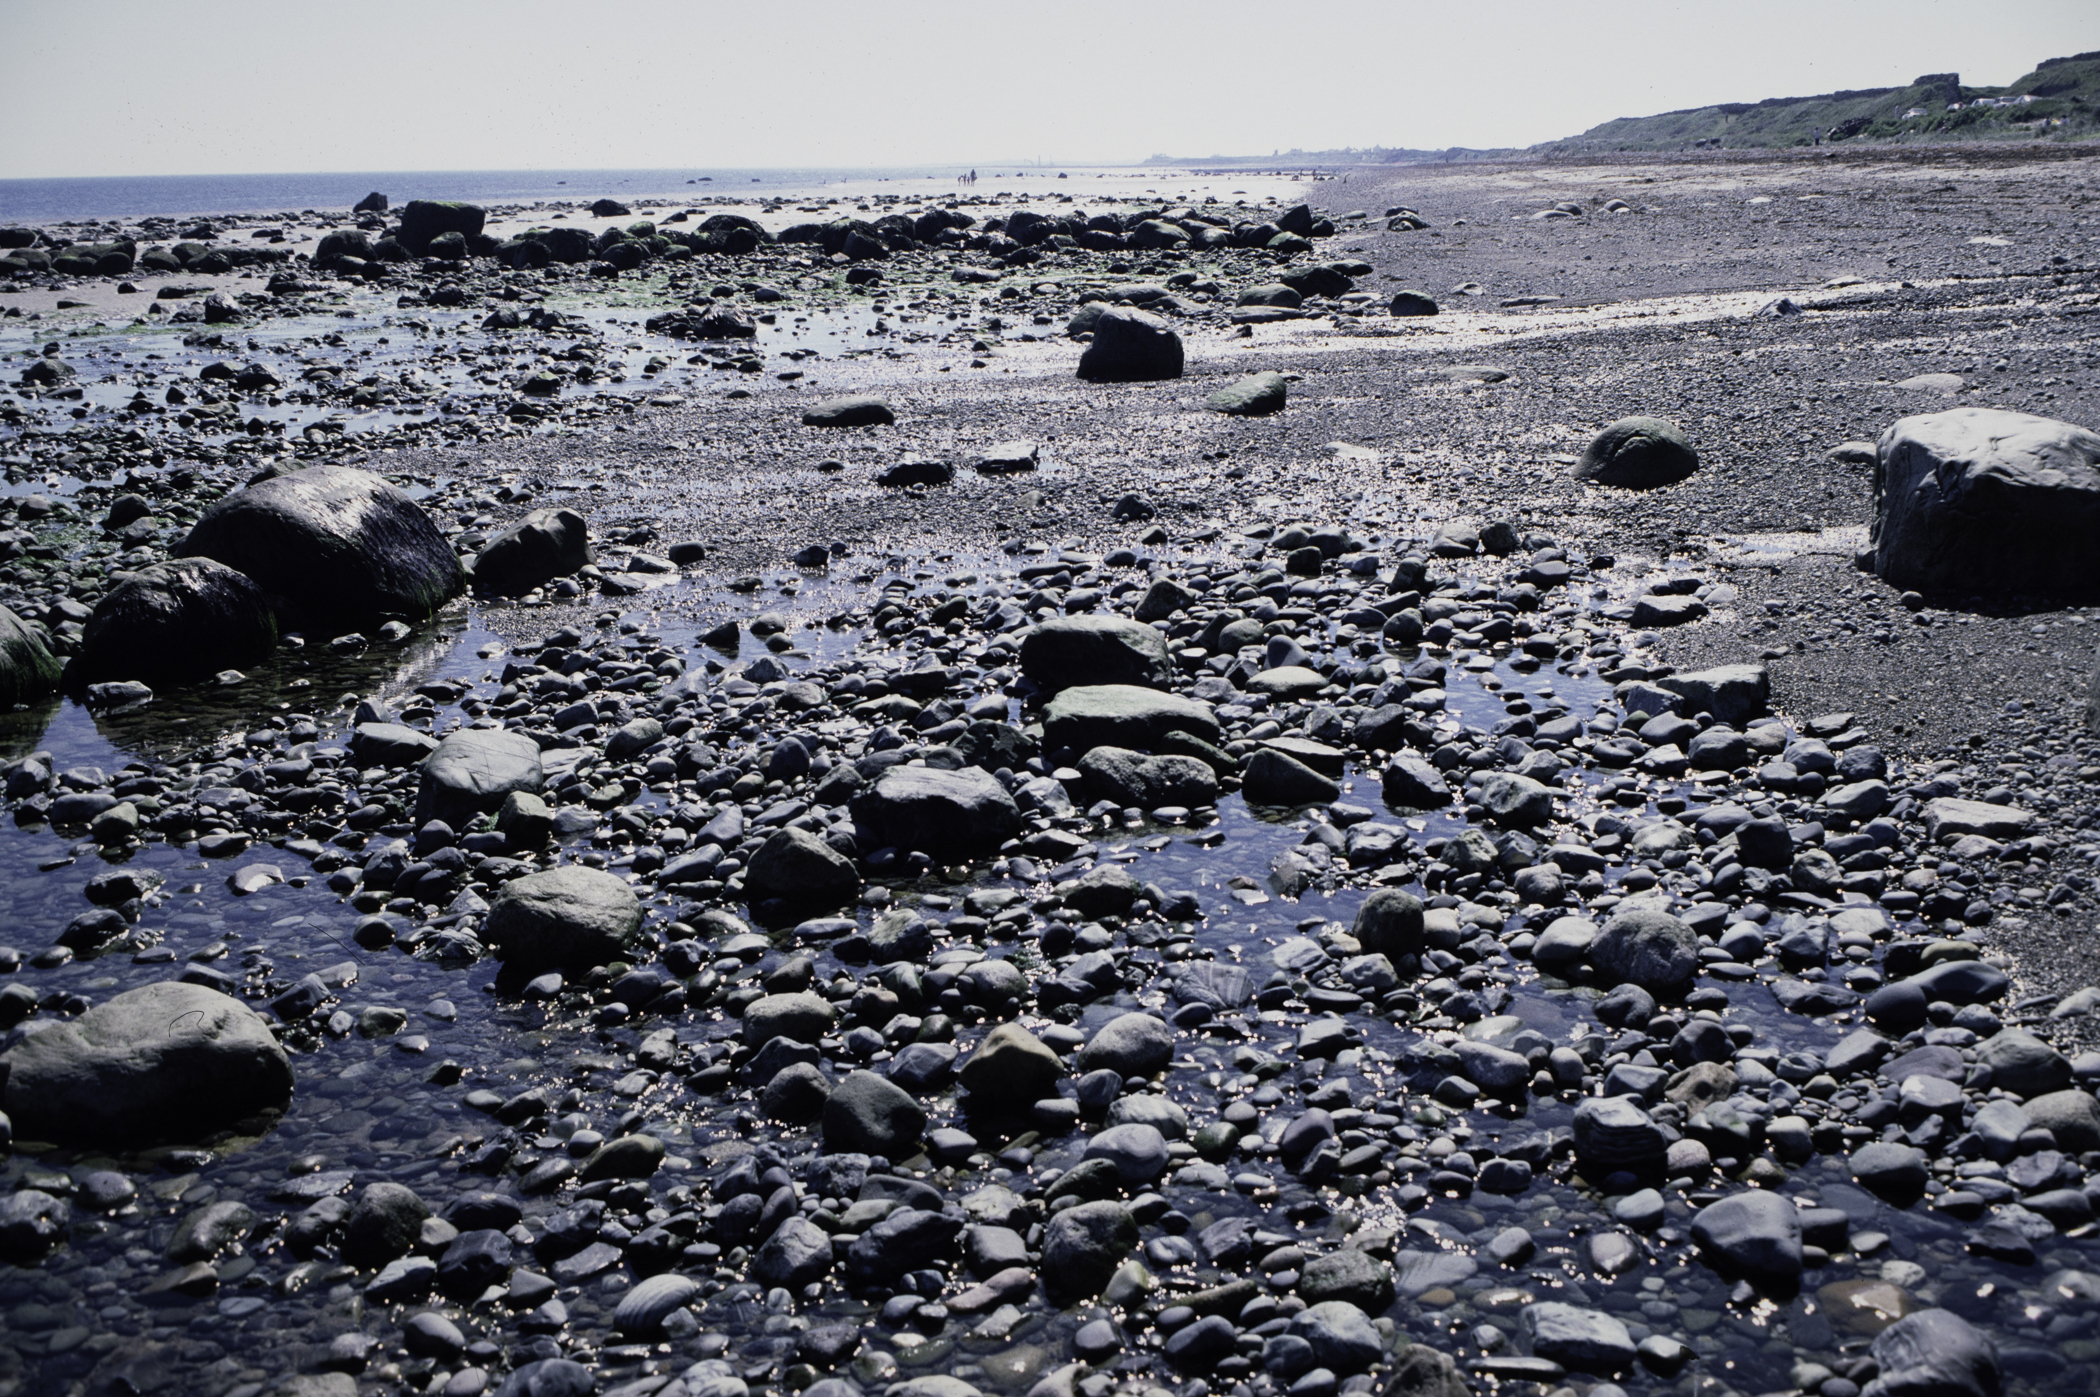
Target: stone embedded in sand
point(1256, 395)
point(162, 1063)
point(1638, 453)
point(857, 411)
point(544, 545)
point(340, 546)
point(1407, 303)
point(1131, 346)
point(1984, 501)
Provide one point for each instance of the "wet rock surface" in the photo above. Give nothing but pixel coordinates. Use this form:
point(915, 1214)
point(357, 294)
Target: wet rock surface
point(1436, 929)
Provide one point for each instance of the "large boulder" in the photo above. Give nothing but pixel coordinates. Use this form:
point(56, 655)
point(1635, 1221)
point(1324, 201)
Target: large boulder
point(27, 670)
point(544, 545)
point(472, 771)
point(1123, 715)
point(332, 545)
point(949, 815)
point(1980, 500)
point(1070, 651)
point(797, 868)
point(568, 918)
point(1638, 453)
point(423, 221)
point(1934, 1353)
point(162, 1063)
point(1647, 947)
point(174, 623)
point(1130, 346)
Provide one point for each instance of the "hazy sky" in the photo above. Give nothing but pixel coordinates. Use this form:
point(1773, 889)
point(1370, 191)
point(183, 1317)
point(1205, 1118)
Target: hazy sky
point(122, 87)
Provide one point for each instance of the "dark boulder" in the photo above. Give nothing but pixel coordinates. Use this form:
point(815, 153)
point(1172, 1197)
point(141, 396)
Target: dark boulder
point(1638, 453)
point(1131, 346)
point(331, 545)
point(27, 670)
point(1980, 500)
point(174, 623)
point(424, 220)
point(544, 545)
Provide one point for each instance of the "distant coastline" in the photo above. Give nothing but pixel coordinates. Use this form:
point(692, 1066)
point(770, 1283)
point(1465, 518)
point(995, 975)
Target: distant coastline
point(42, 201)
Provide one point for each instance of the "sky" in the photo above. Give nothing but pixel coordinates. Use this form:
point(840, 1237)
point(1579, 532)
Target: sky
point(126, 87)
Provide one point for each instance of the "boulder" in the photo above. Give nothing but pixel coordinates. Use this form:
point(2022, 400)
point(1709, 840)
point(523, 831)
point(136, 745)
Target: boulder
point(174, 623)
point(1130, 346)
point(2070, 1115)
point(1589, 1341)
point(471, 772)
point(1347, 1274)
point(1123, 715)
point(33, 1223)
point(568, 918)
point(384, 1223)
point(2023, 1064)
point(1412, 303)
point(1934, 1353)
point(1754, 1235)
point(27, 670)
point(1275, 778)
point(332, 546)
point(867, 1114)
point(1082, 1247)
point(162, 1063)
point(1890, 1170)
point(1137, 1150)
point(1342, 1337)
point(1732, 693)
point(797, 1254)
point(1256, 395)
point(1134, 779)
point(423, 221)
point(1515, 800)
point(1389, 923)
point(1638, 453)
point(950, 815)
point(1646, 947)
point(858, 411)
point(1130, 1045)
point(1613, 1133)
point(802, 871)
point(1070, 651)
point(1010, 1069)
point(1984, 501)
point(544, 545)
point(799, 1017)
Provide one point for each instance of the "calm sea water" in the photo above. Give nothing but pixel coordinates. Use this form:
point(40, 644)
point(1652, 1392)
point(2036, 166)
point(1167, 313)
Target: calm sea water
point(37, 201)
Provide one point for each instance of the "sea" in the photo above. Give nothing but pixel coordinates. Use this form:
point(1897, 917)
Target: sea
point(47, 201)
